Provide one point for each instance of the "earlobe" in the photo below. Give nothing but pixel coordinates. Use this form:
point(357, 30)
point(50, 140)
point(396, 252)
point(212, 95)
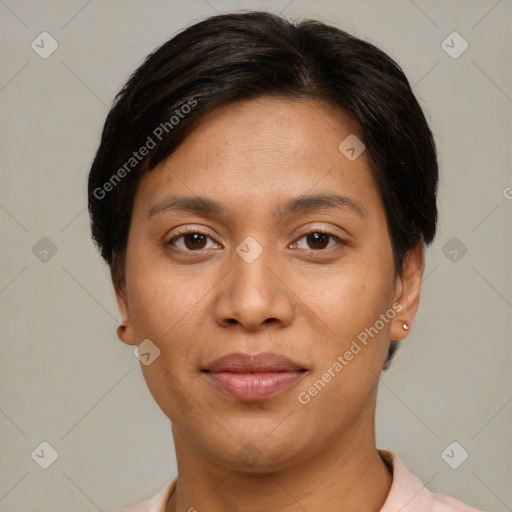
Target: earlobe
point(408, 291)
point(125, 334)
point(125, 331)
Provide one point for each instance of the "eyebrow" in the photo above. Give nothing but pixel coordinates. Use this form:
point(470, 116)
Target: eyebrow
point(310, 202)
point(301, 204)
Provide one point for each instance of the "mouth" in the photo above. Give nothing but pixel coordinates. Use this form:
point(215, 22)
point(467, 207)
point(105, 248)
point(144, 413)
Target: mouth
point(253, 377)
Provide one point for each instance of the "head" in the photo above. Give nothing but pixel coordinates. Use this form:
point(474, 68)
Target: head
point(263, 186)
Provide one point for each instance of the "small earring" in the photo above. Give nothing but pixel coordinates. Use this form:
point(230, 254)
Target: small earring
point(405, 327)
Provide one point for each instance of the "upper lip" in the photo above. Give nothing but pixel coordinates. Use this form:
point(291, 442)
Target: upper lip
point(253, 363)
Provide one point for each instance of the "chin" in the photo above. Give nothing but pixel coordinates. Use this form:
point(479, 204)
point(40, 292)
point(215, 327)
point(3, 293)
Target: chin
point(258, 455)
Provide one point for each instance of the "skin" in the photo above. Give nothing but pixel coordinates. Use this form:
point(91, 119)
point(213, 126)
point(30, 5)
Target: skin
point(307, 301)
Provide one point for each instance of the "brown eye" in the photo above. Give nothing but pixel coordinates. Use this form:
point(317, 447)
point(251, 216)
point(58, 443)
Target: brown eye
point(191, 241)
point(194, 241)
point(318, 240)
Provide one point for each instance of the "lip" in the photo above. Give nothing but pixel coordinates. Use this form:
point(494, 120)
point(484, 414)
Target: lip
point(253, 377)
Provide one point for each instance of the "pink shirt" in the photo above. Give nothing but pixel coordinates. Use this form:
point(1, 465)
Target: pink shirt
point(407, 494)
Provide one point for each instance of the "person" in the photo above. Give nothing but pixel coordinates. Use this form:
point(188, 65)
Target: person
point(263, 194)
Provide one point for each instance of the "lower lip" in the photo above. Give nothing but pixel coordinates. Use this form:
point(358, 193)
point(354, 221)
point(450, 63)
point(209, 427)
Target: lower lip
point(253, 386)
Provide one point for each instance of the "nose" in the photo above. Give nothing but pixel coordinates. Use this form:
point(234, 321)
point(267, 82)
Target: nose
point(254, 294)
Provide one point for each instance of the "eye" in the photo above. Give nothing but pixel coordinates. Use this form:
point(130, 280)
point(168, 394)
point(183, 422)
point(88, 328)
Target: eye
point(190, 239)
point(318, 239)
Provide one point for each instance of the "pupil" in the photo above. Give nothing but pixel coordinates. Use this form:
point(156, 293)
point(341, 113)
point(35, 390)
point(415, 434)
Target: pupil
point(316, 239)
point(197, 241)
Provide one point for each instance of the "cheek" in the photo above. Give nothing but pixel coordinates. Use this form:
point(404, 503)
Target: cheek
point(350, 300)
point(165, 310)
point(162, 300)
point(345, 376)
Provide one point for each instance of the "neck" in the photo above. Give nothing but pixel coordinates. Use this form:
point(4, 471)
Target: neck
point(349, 475)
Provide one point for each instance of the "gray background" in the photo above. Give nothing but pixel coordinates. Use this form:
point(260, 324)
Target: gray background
point(67, 380)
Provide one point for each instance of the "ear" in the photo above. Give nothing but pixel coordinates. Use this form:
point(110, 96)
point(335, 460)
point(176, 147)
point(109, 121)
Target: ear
point(408, 289)
point(125, 331)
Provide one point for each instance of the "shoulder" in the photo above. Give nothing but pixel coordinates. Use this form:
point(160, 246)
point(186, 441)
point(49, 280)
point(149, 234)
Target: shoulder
point(449, 504)
point(409, 494)
point(157, 503)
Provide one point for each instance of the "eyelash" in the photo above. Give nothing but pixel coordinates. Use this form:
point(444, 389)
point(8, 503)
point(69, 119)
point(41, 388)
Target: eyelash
point(192, 230)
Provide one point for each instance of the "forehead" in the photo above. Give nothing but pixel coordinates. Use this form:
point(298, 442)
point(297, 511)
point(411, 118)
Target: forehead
point(263, 150)
point(270, 129)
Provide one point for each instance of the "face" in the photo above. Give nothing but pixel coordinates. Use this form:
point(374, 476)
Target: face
point(259, 264)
